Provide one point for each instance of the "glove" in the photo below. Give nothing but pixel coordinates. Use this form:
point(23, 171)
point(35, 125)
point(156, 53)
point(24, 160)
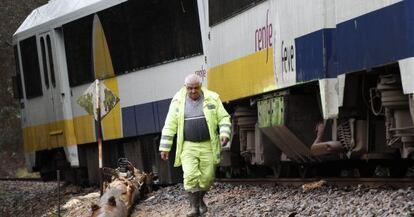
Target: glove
point(164, 155)
point(224, 140)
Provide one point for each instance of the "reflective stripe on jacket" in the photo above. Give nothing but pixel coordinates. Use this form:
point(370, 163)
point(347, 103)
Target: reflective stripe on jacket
point(216, 117)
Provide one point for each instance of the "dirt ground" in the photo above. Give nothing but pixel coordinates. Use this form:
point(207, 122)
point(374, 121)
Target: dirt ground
point(11, 163)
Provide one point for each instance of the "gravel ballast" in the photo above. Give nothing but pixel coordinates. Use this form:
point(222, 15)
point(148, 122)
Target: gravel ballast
point(39, 199)
point(267, 200)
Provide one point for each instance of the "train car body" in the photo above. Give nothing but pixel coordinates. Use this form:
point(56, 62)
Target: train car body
point(63, 46)
point(308, 83)
point(314, 83)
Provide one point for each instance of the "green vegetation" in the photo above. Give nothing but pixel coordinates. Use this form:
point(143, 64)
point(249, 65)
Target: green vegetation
point(23, 173)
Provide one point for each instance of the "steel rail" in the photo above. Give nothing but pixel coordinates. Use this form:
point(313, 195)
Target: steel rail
point(21, 179)
point(369, 182)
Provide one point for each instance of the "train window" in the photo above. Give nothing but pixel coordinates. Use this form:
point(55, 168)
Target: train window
point(78, 47)
point(42, 47)
point(31, 70)
point(17, 83)
point(138, 37)
point(220, 10)
point(186, 29)
point(50, 55)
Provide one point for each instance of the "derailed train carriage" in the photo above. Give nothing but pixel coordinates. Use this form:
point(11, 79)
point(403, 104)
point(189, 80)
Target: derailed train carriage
point(315, 88)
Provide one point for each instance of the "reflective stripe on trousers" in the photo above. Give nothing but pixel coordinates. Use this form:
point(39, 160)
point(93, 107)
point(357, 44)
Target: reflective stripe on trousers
point(198, 165)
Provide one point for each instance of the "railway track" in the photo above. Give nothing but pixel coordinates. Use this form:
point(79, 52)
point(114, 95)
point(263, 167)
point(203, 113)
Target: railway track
point(368, 182)
point(21, 179)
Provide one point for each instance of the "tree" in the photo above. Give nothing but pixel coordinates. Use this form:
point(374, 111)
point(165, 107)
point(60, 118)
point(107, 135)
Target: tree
point(12, 14)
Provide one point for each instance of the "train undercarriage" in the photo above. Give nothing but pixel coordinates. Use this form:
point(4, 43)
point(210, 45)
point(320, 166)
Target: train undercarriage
point(284, 134)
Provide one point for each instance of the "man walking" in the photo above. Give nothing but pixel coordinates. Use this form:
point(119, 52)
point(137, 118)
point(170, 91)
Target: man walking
point(198, 118)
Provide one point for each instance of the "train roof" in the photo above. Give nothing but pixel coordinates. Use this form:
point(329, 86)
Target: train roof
point(58, 12)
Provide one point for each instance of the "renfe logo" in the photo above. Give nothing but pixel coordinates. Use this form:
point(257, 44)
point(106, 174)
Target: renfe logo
point(263, 35)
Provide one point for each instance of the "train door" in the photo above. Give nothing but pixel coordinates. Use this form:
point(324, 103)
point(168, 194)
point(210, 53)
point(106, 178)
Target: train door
point(53, 104)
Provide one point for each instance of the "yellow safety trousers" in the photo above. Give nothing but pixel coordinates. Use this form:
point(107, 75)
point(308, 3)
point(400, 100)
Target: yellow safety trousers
point(198, 165)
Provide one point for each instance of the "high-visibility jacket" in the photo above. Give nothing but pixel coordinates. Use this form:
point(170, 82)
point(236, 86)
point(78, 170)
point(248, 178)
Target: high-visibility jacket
point(216, 117)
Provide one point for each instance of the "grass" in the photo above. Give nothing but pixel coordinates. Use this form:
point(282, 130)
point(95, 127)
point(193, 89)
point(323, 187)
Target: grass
point(23, 173)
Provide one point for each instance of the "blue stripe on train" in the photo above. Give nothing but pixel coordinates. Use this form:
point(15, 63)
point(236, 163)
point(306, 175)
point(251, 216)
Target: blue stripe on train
point(376, 38)
point(144, 119)
point(373, 39)
point(314, 55)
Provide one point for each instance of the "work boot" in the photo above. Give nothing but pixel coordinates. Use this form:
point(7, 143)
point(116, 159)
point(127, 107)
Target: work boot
point(194, 203)
point(203, 206)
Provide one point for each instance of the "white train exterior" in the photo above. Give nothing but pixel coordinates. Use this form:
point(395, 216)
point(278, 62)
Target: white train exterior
point(282, 67)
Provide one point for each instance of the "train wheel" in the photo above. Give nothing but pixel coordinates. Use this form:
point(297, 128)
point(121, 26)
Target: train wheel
point(255, 171)
point(398, 170)
point(367, 170)
point(48, 176)
point(228, 173)
point(277, 170)
point(410, 171)
point(382, 171)
point(306, 171)
point(331, 169)
point(281, 170)
point(223, 172)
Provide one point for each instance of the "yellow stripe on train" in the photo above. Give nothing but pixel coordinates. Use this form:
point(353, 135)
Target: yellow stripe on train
point(59, 134)
point(246, 76)
point(80, 130)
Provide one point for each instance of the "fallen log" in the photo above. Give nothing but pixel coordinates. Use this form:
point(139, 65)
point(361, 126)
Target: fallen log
point(120, 194)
